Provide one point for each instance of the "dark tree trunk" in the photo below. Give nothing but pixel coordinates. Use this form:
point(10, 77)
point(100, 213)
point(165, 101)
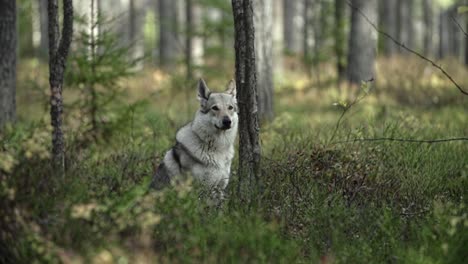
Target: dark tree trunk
point(362, 41)
point(58, 52)
point(263, 22)
point(249, 143)
point(340, 38)
point(8, 46)
point(405, 23)
point(136, 18)
point(450, 36)
point(292, 25)
point(428, 27)
point(457, 37)
point(168, 44)
point(389, 25)
point(307, 30)
point(188, 44)
point(444, 35)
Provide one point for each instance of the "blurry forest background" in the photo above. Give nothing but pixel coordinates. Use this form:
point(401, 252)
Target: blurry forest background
point(342, 107)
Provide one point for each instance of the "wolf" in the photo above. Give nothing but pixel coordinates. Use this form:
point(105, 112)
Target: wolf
point(204, 148)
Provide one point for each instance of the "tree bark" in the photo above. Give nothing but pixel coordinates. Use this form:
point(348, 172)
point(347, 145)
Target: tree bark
point(457, 36)
point(263, 22)
point(307, 16)
point(136, 17)
point(362, 41)
point(428, 27)
point(249, 143)
point(389, 25)
point(340, 38)
point(444, 35)
point(450, 36)
point(58, 52)
point(293, 23)
point(8, 52)
point(168, 44)
point(406, 25)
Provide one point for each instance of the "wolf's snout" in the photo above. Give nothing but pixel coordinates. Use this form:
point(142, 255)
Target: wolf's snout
point(227, 122)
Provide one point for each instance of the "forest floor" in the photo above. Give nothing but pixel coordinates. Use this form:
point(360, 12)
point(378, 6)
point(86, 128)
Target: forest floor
point(326, 197)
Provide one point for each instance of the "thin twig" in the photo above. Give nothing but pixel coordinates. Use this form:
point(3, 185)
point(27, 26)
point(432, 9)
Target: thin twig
point(459, 26)
point(346, 108)
point(408, 49)
point(425, 141)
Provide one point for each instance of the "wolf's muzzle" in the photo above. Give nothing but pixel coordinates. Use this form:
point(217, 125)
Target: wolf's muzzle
point(226, 123)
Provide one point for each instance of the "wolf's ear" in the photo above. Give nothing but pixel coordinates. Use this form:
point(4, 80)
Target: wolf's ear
point(231, 88)
point(203, 91)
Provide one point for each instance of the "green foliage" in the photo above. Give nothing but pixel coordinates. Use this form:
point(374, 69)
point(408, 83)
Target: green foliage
point(355, 202)
point(98, 65)
point(462, 9)
point(322, 47)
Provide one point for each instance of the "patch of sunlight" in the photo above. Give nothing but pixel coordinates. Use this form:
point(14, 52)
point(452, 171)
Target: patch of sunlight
point(436, 81)
point(445, 3)
point(159, 76)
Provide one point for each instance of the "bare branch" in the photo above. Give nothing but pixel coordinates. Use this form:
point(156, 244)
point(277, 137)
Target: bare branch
point(409, 49)
point(459, 26)
point(347, 107)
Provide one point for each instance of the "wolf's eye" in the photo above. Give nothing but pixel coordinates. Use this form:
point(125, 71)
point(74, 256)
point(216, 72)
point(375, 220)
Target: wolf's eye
point(215, 108)
point(230, 107)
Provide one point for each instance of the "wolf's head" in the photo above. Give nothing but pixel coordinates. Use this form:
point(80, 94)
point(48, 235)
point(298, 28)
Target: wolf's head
point(219, 108)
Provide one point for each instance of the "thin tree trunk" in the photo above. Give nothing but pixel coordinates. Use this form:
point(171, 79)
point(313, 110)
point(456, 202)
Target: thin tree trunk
point(93, 24)
point(263, 22)
point(193, 42)
point(188, 44)
point(428, 26)
point(406, 25)
point(293, 24)
point(136, 19)
point(168, 44)
point(306, 31)
point(44, 44)
point(58, 52)
point(249, 143)
point(8, 52)
point(278, 36)
point(389, 25)
point(362, 41)
point(340, 38)
point(457, 36)
point(444, 34)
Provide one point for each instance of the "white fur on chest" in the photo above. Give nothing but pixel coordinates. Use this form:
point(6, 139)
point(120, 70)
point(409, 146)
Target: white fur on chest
point(215, 148)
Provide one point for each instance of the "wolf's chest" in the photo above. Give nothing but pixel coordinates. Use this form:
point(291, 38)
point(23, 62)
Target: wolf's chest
point(216, 169)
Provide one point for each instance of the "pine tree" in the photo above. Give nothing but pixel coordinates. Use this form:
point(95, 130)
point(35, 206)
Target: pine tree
point(98, 63)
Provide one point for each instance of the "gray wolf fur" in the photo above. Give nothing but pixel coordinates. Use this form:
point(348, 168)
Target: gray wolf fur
point(204, 147)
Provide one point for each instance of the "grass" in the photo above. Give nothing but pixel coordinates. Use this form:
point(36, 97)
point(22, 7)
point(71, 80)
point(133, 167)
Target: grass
point(322, 201)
